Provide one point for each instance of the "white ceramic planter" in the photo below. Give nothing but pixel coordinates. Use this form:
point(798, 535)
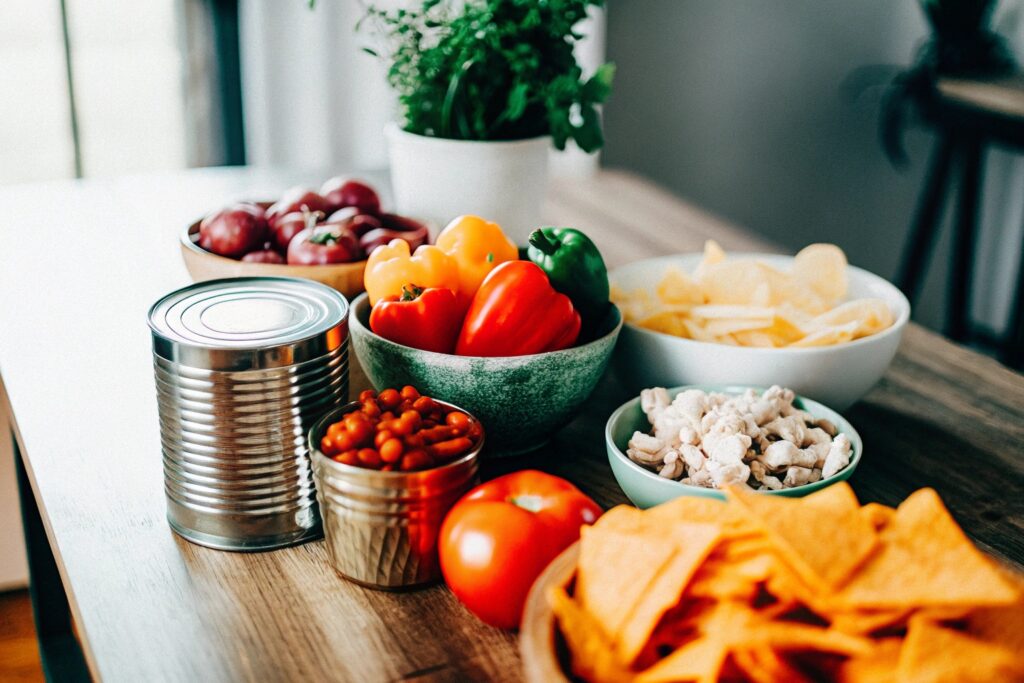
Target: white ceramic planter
point(438, 179)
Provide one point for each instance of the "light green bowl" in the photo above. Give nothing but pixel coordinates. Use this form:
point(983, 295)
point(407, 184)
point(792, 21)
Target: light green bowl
point(646, 489)
point(521, 400)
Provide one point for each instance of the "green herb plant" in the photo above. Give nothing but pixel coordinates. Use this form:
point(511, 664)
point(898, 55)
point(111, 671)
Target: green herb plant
point(491, 69)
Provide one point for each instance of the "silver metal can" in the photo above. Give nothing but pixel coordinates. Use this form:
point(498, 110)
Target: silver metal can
point(381, 528)
point(244, 367)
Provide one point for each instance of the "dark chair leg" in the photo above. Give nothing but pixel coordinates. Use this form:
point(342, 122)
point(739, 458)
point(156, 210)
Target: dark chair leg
point(1013, 348)
point(926, 219)
point(959, 307)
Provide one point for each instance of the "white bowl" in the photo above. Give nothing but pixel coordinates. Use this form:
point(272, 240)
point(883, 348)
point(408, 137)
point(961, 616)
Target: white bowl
point(834, 375)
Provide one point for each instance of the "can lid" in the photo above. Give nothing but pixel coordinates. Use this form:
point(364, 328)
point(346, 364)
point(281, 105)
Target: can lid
point(248, 323)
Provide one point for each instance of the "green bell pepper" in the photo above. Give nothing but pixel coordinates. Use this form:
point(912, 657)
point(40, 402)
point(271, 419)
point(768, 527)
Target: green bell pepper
point(575, 267)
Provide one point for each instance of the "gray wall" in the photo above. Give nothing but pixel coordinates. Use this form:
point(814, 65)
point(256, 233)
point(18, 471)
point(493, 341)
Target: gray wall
point(737, 106)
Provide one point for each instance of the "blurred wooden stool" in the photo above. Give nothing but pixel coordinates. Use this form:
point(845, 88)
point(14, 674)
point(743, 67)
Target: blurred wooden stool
point(968, 116)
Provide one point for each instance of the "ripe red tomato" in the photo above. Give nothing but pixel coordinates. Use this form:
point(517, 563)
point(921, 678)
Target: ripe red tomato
point(263, 256)
point(233, 231)
point(501, 535)
point(295, 200)
point(340, 192)
point(287, 227)
point(327, 243)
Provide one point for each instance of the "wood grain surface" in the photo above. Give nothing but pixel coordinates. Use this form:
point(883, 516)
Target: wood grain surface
point(75, 361)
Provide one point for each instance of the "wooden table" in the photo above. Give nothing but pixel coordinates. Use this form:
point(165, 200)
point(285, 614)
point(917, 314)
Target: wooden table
point(83, 261)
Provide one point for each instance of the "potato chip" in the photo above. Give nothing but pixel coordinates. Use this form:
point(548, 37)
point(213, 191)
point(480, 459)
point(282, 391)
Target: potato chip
point(750, 303)
point(784, 330)
point(666, 322)
point(730, 326)
point(757, 338)
point(934, 654)
point(822, 268)
point(713, 255)
point(828, 336)
point(870, 316)
point(695, 330)
point(923, 560)
point(676, 287)
point(726, 311)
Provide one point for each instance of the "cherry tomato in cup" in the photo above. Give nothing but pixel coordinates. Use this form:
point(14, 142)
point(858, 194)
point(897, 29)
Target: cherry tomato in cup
point(502, 534)
point(400, 430)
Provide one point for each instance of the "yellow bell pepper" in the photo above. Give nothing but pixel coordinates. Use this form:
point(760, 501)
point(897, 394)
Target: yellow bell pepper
point(478, 247)
point(391, 267)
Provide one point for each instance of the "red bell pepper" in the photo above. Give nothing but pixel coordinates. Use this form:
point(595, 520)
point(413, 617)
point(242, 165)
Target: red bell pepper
point(516, 312)
point(427, 319)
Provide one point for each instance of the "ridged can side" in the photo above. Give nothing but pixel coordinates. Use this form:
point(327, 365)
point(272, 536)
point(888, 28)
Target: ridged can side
point(237, 469)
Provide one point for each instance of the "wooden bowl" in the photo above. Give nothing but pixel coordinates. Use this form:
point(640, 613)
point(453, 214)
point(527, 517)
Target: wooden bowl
point(545, 656)
point(202, 265)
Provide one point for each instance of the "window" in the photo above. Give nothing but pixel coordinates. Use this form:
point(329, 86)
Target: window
point(127, 70)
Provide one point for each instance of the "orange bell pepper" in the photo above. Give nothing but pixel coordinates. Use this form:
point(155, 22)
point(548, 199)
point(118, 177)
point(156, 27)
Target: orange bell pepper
point(391, 267)
point(478, 246)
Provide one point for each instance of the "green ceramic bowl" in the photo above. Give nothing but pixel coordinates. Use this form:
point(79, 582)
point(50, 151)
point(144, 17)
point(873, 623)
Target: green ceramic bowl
point(646, 489)
point(521, 400)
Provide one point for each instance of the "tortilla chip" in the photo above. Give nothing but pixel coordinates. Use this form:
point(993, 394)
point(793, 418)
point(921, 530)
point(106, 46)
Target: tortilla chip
point(863, 622)
point(737, 579)
point(878, 666)
point(592, 650)
point(774, 589)
point(878, 515)
point(831, 513)
point(695, 543)
point(736, 625)
point(616, 569)
point(762, 665)
point(625, 518)
point(934, 654)
point(699, 660)
point(925, 560)
point(1001, 624)
point(708, 510)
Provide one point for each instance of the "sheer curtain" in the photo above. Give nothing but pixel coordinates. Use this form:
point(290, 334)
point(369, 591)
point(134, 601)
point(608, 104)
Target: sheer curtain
point(313, 99)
